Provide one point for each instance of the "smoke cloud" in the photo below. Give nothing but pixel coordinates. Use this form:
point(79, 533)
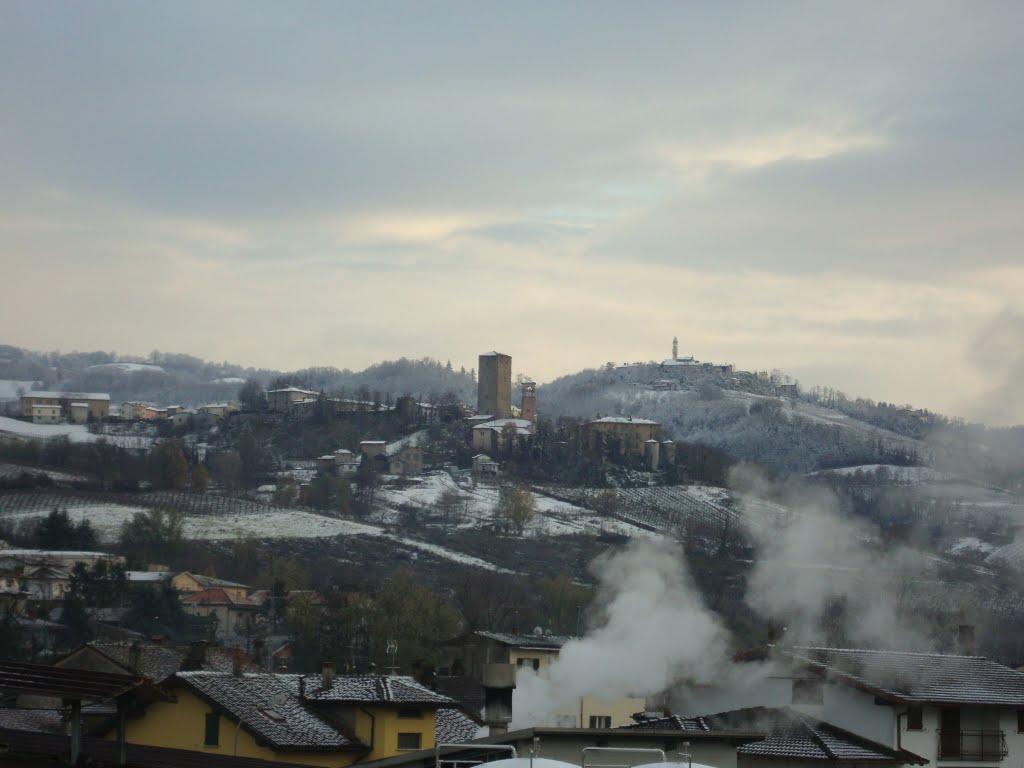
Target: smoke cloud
point(997, 351)
point(828, 578)
point(653, 628)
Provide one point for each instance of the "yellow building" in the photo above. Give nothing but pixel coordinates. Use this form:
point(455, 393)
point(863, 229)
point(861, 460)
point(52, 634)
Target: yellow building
point(629, 434)
point(318, 720)
point(197, 582)
point(46, 414)
point(97, 403)
point(283, 399)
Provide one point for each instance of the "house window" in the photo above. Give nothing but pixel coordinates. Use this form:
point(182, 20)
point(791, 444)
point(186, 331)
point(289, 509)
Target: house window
point(528, 662)
point(212, 736)
point(600, 721)
point(407, 741)
point(807, 691)
point(410, 713)
point(915, 718)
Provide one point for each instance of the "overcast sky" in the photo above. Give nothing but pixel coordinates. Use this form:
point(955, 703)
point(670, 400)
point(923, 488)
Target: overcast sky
point(832, 189)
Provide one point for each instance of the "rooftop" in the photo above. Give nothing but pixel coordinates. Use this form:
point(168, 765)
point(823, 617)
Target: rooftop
point(526, 641)
point(208, 582)
point(68, 395)
point(453, 726)
point(790, 736)
point(156, 662)
point(72, 684)
point(368, 689)
point(932, 678)
point(217, 596)
point(269, 707)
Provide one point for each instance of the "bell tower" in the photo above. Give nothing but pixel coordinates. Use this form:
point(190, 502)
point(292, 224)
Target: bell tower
point(675, 348)
point(528, 409)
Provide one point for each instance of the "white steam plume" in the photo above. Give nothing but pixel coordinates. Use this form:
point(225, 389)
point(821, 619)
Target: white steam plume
point(819, 557)
point(654, 629)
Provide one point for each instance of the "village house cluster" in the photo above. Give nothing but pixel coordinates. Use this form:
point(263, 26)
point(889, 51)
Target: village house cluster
point(804, 707)
point(44, 407)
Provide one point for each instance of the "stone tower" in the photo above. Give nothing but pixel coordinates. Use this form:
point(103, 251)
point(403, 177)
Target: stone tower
point(528, 409)
point(494, 385)
point(675, 347)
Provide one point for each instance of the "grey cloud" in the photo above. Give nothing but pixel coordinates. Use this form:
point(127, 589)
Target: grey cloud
point(251, 110)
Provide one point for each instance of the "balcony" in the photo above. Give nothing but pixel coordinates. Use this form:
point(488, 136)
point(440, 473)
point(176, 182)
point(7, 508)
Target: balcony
point(972, 745)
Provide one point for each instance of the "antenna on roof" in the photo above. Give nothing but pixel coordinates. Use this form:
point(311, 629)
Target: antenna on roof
point(392, 650)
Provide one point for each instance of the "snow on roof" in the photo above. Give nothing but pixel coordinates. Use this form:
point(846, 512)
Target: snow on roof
point(499, 423)
point(453, 726)
point(790, 735)
point(68, 395)
point(622, 420)
point(932, 678)
point(293, 389)
point(369, 689)
point(494, 354)
point(1012, 555)
point(211, 581)
point(270, 707)
point(415, 440)
point(552, 642)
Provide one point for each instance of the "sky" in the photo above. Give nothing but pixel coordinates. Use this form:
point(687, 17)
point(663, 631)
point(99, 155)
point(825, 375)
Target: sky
point(829, 189)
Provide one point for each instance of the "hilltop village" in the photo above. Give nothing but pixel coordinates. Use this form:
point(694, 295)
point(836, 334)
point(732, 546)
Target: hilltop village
point(304, 575)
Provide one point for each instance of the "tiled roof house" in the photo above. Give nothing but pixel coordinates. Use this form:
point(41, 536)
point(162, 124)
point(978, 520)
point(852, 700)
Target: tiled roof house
point(949, 709)
point(322, 719)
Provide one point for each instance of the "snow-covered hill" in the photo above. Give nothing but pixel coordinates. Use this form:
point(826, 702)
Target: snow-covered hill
point(741, 414)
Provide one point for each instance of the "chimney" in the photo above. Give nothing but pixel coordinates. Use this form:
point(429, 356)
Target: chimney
point(135, 658)
point(965, 640)
point(196, 657)
point(236, 662)
point(327, 674)
point(259, 651)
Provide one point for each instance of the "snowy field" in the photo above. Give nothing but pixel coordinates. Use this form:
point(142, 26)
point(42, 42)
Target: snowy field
point(127, 367)
point(76, 433)
point(899, 474)
point(475, 509)
point(8, 471)
point(971, 544)
point(251, 519)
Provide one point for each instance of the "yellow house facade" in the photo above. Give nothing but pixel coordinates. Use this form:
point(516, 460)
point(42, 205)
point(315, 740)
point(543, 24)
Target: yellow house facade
point(197, 582)
point(310, 720)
